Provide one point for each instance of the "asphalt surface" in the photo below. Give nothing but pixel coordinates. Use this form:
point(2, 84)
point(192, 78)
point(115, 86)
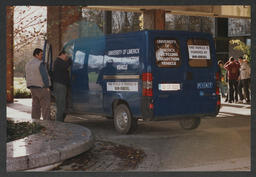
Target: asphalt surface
point(218, 144)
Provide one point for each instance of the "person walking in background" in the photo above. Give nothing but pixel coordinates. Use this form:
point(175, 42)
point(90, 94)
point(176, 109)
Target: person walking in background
point(226, 79)
point(38, 81)
point(222, 81)
point(233, 73)
point(247, 61)
point(245, 72)
point(61, 81)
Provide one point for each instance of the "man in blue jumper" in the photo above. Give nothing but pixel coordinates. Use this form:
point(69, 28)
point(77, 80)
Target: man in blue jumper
point(61, 81)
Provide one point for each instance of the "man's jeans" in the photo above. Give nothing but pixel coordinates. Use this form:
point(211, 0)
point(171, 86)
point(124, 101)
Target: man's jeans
point(233, 90)
point(223, 89)
point(245, 86)
point(60, 92)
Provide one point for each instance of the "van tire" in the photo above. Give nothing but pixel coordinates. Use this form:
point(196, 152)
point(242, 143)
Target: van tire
point(123, 121)
point(190, 123)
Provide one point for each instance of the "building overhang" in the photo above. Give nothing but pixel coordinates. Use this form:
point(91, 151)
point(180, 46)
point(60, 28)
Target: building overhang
point(222, 11)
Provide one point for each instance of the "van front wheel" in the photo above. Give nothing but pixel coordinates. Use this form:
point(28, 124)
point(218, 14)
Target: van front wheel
point(123, 121)
point(190, 123)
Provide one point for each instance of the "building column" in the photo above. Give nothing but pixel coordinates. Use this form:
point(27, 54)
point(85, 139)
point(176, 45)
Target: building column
point(222, 40)
point(62, 25)
point(107, 22)
point(159, 19)
point(9, 54)
point(154, 19)
point(71, 17)
point(53, 29)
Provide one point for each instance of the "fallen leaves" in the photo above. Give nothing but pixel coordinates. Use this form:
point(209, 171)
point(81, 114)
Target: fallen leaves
point(104, 156)
point(131, 157)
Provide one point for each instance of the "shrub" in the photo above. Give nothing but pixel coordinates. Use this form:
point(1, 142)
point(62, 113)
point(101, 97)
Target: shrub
point(20, 88)
point(22, 93)
point(21, 130)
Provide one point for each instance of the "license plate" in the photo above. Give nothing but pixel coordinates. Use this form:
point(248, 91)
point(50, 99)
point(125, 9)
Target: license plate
point(169, 87)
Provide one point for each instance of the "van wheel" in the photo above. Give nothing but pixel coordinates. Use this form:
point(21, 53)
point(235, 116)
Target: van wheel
point(190, 123)
point(53, 111)
point(123, 121)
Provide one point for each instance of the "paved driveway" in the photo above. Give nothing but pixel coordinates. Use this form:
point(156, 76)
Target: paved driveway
point(218, 144)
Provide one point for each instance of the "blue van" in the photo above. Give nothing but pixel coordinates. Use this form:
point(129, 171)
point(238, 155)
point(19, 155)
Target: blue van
point(152, 75)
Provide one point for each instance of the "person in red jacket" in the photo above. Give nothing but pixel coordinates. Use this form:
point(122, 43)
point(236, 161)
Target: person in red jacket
point(232, 67)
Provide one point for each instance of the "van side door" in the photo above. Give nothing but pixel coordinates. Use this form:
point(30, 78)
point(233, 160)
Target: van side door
point(87, 96)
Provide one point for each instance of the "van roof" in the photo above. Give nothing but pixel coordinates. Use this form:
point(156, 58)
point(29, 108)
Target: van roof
point(142, 32)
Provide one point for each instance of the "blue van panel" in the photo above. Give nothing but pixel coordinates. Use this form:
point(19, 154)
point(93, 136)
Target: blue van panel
point(188, 100)
point(117, 56)
point(108, 68)
point(125, 53)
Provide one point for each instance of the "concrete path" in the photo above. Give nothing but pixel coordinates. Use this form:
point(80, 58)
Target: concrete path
point(57, 142)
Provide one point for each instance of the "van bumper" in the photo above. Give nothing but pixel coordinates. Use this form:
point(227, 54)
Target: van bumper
point(178, 117)
point(146, 112)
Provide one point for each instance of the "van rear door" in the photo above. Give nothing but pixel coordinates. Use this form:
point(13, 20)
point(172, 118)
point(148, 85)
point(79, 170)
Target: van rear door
point(183, 82)
point(201, 75)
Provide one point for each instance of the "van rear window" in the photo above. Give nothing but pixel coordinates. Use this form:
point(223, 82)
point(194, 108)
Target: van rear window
point(167, 53)
point(199, 53)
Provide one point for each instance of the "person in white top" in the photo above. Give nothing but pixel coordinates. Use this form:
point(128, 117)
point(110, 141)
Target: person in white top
point(245, 75)
point(38, 81)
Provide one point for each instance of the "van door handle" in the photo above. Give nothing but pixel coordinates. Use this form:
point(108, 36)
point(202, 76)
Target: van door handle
point(189, 76)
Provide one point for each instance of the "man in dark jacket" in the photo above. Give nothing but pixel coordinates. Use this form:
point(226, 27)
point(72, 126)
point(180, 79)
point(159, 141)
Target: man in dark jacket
point(233, 73)
point(61, 81)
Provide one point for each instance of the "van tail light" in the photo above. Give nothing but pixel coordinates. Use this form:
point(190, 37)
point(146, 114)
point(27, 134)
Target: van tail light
point(147, 84)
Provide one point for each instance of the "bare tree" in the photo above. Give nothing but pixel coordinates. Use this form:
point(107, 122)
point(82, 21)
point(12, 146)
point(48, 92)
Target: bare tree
point(29, 30)
point(29, 25)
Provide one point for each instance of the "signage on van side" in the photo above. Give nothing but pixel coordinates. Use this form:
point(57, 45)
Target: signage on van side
point(123, 58)
point(123, 52)
point(122, 86)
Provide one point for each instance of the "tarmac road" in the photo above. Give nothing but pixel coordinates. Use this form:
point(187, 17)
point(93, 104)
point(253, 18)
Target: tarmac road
point(218, 144)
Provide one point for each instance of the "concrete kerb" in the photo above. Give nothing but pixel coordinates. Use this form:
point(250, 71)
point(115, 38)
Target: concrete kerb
point(58, 142)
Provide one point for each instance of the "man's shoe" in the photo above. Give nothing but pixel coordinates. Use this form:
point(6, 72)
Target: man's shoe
point(240, 101)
